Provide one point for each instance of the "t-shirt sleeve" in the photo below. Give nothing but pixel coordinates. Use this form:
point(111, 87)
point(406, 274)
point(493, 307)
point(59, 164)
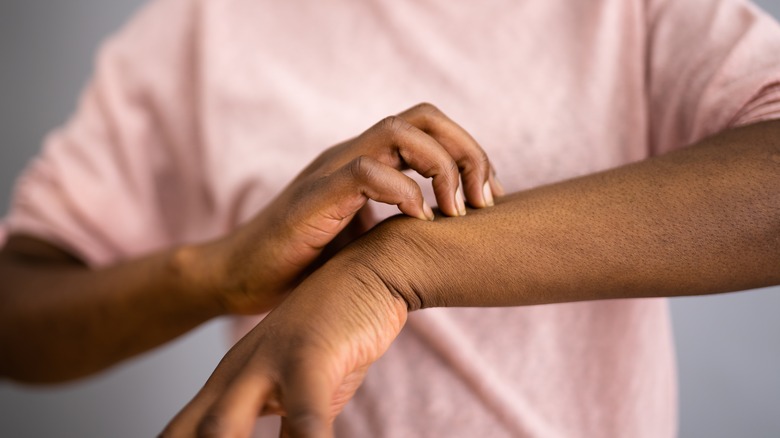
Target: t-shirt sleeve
point(121, 178)
point(712, 65)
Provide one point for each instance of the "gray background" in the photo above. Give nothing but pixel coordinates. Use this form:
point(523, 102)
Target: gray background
point(728, 346)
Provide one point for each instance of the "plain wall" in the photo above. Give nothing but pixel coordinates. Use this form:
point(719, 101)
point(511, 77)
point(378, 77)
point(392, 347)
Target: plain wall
point(728, 346)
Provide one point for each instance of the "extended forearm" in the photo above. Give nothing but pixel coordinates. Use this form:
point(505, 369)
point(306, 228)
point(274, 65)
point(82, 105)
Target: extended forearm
point(60, 321)
point(700, 220)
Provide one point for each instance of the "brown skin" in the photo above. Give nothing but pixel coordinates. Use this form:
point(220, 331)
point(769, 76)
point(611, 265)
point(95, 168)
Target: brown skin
point(697, 221)
point(84, 320)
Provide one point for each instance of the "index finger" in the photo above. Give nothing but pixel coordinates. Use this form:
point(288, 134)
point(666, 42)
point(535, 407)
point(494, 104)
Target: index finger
point(235, 412)
point(476, 171)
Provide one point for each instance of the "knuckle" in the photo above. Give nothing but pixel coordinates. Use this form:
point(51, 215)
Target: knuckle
point(361, 168)
point(452, 168)
point(427, 108)
point(389, 123)
point(427, 114)
point(448, 170)
point(392, 125)
point(482, 161)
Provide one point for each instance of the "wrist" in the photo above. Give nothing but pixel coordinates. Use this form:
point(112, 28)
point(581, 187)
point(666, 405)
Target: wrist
point(352, 283)
point(198, 276)
point(399, 253)
point(234, 277)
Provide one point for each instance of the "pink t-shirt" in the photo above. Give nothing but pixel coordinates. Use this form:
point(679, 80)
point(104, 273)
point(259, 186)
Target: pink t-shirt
point(200, 111)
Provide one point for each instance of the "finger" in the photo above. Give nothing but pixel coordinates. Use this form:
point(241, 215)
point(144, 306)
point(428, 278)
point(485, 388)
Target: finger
point(337, 198)
point(234, 413)
point(495, 184)
point(397, 143)
point(382, 183)
point(185, 423)
point(307, 400)
point(475, 168)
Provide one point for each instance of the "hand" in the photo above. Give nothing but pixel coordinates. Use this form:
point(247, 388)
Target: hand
point(304, 361)
point(251, 269)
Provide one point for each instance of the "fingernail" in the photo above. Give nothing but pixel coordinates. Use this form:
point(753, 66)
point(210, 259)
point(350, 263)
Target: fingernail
point(428, 211)
point(459, 201)
point(499, 186)
point(487, 194)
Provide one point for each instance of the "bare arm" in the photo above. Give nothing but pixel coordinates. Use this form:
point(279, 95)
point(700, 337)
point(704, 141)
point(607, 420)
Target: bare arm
point(701, 220)
point(60, 320)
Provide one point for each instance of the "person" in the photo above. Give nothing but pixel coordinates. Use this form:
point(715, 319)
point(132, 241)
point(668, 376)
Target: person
point(636, 141)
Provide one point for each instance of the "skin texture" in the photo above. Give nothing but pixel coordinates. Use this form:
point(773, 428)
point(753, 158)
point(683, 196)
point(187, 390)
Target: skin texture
point(85, 320)
point(697, 221)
